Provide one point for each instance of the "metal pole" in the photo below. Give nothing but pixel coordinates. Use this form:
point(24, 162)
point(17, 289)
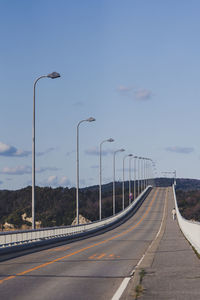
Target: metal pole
point(175, 177)
point(138, 175)
point(114, 183)
point(52, 76)
point(77, 166)
point(143, 173)
point(129, 190)
point(77, 173)
point(123, 184)
point(135, 157)
point(100, 176)
point(33, 154)
point(120, 150)
point(141, 166)
point(100, 180)
point(145, 164)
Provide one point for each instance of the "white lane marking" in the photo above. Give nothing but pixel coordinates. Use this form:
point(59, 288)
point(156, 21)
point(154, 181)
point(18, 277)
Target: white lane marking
point(126, 280)
point(121, 289)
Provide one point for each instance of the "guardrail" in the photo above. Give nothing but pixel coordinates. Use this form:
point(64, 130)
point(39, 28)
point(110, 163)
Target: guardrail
point(31, 238)
point(191, 229)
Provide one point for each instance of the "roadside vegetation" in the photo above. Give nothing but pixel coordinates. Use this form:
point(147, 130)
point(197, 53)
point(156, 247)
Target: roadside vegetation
point(56, 207)
point(189, 204)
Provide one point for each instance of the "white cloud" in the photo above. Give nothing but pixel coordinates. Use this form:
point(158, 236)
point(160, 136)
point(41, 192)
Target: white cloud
point(95, 151)
point(143, 94)
point(45, 152)
point(54, 181)
point(7, 150)
point(139, 94)
point(44, 169)
point(65, 181)
point(21, 170)
point(178, 149)
point(124, 89)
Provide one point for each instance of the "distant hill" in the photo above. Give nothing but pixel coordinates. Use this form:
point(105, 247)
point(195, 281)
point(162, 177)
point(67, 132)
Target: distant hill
point(189, 204)
point(188, 184)
point(188, 196)
point(55, 207)
point(181, 183)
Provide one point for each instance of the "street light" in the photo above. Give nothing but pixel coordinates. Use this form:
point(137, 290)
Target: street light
point(114, 154)
point(174, 173)
point(145, 172)
point(130, 155)
point(139, 174)
point(52, 76)
point(91, 119)
point(124, 179)
point(135, 157)
point(100, 173)
point(142, 173)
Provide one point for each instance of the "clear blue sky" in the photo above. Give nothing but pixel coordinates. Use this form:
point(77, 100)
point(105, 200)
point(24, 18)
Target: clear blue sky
point(133, 65)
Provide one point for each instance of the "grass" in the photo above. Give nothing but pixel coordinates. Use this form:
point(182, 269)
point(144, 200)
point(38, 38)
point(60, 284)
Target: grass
point(139, 288)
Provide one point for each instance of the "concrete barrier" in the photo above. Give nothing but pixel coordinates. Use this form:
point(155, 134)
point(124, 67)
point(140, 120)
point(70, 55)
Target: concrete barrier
point(15, 240)
point(191, 229)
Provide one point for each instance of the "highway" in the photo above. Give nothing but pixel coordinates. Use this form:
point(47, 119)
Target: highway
point(91, 268)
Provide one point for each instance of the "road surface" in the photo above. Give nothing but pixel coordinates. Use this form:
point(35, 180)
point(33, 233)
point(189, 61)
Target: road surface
point(91, 268)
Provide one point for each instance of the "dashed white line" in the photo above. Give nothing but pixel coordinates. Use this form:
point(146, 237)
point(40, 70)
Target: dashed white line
point(121, 289)
point(126, 280)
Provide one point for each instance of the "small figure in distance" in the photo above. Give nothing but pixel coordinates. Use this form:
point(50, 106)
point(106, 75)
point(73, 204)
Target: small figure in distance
point(174, 213)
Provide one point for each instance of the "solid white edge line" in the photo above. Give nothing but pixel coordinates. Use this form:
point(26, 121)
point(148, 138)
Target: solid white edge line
point(121, 288)
point(126, 280)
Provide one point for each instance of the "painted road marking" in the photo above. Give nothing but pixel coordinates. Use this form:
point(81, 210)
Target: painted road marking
point(103, 255)
point(97, 256)
point(121, 289)
point(126, 280)
point(58, 249)
point(85, 248)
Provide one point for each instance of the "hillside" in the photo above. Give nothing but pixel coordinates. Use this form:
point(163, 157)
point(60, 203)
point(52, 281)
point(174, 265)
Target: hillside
point(55, 207)
point(189, 204)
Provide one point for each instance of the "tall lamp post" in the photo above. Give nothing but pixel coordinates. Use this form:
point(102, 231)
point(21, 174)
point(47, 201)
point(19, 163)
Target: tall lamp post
point(129, 189)
point(114, 154)
point(142, 173)
point(124, 179)
point(77, 166)
point(145, 172)
point(100, 172)
point(52, 76)
point(135, 157)
point(174, 177)
point(139, 158)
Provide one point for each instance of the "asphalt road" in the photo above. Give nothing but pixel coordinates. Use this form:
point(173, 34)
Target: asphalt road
point(92, 268)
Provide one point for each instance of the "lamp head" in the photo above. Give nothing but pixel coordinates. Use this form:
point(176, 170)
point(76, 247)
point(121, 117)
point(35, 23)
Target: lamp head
point(53, 75)
point(91, 119)
point(110, 140)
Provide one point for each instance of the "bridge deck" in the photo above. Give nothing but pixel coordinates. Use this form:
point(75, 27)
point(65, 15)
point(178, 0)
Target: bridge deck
point(175, 270)
point(92, 268)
